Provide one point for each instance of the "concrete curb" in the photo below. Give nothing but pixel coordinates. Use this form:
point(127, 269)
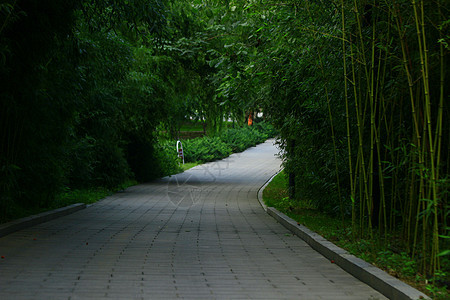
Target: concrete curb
point(386, 284)
point(26, 222)
point(261, 190)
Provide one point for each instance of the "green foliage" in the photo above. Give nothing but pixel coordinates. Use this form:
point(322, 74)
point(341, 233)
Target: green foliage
point(402, 261)
point(239, 139)
point(73, 99)
point(87, 196)
point(166, 159)
point(96, 130)
point(205, 149)
point(35, 64)
point(276, 191)
point(143, 20)
point(438, 285)
point(188, 166)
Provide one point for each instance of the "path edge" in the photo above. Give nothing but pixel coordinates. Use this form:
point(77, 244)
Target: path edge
point(19, 224)
point(384, 283)
point(261, 190)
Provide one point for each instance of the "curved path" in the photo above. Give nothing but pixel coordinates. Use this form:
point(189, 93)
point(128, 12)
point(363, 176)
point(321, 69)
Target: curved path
point(199, 235)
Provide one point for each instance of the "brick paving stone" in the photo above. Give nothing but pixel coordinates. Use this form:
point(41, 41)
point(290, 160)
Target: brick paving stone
point(201, 234)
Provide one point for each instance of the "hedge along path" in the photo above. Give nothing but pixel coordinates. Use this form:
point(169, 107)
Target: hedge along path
point(201, 234)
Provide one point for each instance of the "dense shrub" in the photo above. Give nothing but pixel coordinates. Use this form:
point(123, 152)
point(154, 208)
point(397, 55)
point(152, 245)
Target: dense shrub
point(167, 161)
point(205, 149)
point(265, 128)
point(212, 148)
point(240, 139)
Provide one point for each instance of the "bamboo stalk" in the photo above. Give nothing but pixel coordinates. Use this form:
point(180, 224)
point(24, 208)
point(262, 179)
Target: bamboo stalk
point(372, 127)
point(360, 113)
point(360, 166)
point(418, 137)
point(423, 51)
point(381, 116)
point(439, 128)
point(363, 60)
point(347, 118)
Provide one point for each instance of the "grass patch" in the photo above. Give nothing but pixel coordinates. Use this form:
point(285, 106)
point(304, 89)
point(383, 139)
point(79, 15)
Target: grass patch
point(276, 195)
point(189, 165)
point(387, 254)
point(187, 127)
point(87, 196)
point(66, 198)
point(276, 190)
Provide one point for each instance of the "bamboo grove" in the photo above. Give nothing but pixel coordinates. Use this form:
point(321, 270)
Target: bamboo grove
point(359, 91)
point(398, 61)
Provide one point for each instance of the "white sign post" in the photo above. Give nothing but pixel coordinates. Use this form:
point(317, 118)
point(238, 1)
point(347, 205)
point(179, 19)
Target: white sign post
point(180, 150)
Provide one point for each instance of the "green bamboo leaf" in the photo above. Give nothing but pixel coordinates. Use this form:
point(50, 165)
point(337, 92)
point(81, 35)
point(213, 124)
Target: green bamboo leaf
point(443, 253)
point(248, 7)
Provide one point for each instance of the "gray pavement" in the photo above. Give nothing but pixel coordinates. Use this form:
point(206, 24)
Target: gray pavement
point(199, 235)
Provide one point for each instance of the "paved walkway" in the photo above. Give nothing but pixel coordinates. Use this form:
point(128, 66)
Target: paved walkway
point(199, 235)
